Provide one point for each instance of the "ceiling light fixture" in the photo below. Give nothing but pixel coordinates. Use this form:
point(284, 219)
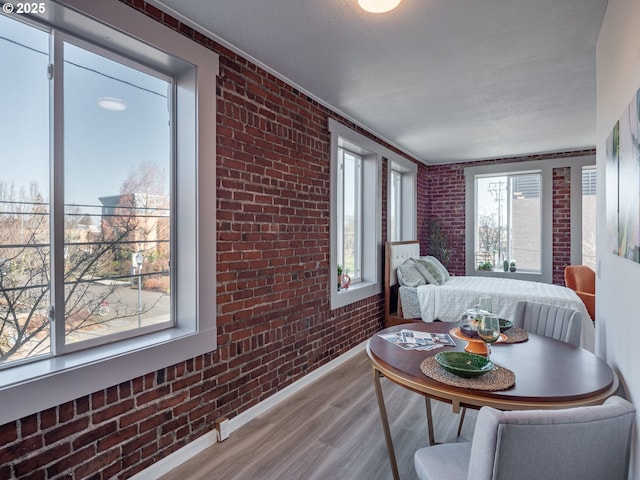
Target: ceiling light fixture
point(112, 103)
point(378, 6)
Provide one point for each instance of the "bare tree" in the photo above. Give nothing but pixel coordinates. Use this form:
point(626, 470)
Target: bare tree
point(491, 239)
point(94, 259)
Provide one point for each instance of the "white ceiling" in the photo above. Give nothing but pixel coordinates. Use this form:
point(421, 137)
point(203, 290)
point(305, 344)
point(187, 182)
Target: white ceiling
point(444, 80)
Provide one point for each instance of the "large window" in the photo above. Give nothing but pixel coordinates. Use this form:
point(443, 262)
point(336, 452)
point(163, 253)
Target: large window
point(401, 205)
point(356, 206)
point(356, 211)
point(106, 277)
point(508, 221)
point(350, 213)
point(395, 206)
point(103, 226)
point(509, 216)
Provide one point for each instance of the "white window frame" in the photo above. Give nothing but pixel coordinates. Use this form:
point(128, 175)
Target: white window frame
point(576, 206)
point(36, 386)
point(59, 342)
point(408, 211)
point(359, 160)
point(371, 273)
point(545, 168)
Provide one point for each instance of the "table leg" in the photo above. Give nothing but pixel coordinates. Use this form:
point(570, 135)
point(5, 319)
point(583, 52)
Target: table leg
point(432, 440)
point(385, 424)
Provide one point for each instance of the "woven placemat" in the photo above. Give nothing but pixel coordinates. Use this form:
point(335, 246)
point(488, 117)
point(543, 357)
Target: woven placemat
point(499, 378)
point(515, 335)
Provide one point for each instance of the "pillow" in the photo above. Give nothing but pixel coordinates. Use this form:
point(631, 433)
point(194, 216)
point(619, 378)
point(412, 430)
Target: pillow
point(409, 276)
point(445, 273)
point(429, 270)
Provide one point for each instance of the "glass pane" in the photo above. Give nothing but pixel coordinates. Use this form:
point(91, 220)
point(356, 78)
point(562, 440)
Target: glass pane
point(396, 201)
point(589, 216)
point(491, 236)
point(117, 151)
point(508, 222)
point(351, 215)
point(24, 192)
point(525, 223)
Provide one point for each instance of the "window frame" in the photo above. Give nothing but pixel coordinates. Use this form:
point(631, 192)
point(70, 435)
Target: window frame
point(545, 168)
point(358, 159)
point(511, 178)
point(59, 343)
point(575, 163)
point(408, 211)
point(41, 384)
point(371, 267)
point(576, 206)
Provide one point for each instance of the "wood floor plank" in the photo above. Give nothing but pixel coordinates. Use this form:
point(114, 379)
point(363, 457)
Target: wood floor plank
point(329, 430)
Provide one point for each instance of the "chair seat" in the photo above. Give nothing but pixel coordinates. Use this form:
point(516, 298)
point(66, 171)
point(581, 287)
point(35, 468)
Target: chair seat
point(449, 461)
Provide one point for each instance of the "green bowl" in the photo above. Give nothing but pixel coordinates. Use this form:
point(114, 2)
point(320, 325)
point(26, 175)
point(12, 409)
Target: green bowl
point(505, 324)
point(464, 364)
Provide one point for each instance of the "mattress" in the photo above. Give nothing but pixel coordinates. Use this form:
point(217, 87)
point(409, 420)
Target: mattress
point(448, 302)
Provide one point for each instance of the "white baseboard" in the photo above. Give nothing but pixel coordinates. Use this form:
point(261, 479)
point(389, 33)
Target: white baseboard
point(208, 439)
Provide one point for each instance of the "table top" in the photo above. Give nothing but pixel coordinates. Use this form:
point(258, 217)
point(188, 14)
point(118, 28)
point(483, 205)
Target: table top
point(549, 373)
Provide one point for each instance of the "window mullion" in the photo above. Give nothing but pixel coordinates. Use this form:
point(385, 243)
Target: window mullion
point(57, 198)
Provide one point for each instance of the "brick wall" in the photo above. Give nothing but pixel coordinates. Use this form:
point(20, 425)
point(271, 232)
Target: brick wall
point(274, 319)
point(442, 197)
point(561, 239)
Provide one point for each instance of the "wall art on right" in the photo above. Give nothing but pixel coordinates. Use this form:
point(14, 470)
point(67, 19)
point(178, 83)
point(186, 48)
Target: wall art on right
point(623, 183)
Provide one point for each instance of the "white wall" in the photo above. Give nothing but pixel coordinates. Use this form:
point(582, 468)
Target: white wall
point(618, 282)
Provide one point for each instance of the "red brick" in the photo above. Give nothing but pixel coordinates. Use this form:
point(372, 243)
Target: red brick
point(8, 433)
point(66, 430)
point(34, 462)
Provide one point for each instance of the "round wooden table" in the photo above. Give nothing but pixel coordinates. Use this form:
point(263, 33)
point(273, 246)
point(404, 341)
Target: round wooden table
point(550, 374)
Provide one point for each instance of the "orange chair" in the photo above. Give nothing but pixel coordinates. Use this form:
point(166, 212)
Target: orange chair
point(582, 279)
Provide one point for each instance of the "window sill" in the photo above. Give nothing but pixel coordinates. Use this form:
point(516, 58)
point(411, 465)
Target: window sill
point(354, 293)
point(51, 381)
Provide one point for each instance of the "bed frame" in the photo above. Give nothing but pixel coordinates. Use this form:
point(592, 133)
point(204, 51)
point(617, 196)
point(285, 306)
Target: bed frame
point(395, 253)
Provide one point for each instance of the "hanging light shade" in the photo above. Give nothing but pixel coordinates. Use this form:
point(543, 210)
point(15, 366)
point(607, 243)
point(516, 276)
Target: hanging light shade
point(112, 103)
point(378, 6)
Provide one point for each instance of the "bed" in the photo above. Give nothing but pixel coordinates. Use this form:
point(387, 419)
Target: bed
point(448, 301)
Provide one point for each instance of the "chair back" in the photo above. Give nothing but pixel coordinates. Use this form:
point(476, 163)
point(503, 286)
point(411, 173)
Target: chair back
point(580, 278)
point(551, 321)
point(586, 443)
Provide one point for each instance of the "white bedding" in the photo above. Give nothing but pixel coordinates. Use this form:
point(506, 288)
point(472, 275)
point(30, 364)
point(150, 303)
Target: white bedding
point(448, 302)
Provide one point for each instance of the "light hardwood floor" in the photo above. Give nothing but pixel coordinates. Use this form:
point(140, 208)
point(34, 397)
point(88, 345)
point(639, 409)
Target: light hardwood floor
point(329, 430)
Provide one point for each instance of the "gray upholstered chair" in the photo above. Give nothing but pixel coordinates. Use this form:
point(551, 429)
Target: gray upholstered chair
point(585, 443)
point(555, 322)
point(558, 323)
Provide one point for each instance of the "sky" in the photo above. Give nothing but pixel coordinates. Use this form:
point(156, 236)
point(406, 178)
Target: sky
point(101, 147)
